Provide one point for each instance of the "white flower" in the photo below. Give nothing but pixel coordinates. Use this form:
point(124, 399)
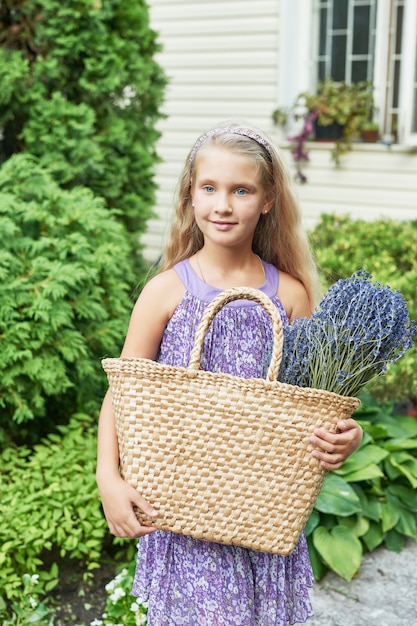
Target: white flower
point(34, 579)
point(134, 607)
point(96, 622)
point(140, 619)
point(32, 602)
point(117, 594)
point(111, 585)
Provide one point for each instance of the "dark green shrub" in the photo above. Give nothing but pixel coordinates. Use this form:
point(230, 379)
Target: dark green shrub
point(49, 501)
point(372, 499)
point(65, 282)
point(388, 250)
point(80, 89)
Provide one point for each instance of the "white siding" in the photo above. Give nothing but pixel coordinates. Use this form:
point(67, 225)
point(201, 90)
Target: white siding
point(222, 61)
point(372, 182)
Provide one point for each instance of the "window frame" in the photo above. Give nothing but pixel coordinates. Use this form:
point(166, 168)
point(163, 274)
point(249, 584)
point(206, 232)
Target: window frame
point(298, 73)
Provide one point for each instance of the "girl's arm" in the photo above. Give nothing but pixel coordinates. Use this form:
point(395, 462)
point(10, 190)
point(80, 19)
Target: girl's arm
point(150, 316)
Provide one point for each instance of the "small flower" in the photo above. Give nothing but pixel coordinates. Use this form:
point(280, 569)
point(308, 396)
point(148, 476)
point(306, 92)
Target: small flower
point(134, 607)
point(96, 622)
point(33, 603)
point(34, 579)
point(358, 328)
point(117, 594)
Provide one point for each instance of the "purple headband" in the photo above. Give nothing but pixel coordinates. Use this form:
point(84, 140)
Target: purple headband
point(232, 131)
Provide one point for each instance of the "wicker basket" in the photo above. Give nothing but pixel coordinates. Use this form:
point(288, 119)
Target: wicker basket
point(222, 458)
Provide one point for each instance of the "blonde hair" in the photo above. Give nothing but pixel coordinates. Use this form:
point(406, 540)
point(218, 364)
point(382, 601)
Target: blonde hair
point(279, 237)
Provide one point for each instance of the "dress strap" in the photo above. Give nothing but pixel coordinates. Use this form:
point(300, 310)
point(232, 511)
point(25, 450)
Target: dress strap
point(194, 285)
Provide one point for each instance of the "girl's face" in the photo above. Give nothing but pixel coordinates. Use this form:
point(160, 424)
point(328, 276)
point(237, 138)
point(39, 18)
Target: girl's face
point(228, 196)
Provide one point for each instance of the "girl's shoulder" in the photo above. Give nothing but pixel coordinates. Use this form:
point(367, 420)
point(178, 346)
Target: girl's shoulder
point(293, 296)
point(164, 291)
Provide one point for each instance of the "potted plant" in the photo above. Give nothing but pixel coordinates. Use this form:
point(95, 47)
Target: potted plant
point(370, 132)
point(338, 107)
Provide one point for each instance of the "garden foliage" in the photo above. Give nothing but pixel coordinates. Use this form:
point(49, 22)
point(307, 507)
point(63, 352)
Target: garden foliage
point(65, 283)
point(372, 499)
point(388, 250)
point(50, 507)
point(81, 90)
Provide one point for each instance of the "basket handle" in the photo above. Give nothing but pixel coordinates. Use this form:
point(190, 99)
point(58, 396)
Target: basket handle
point(240, 293)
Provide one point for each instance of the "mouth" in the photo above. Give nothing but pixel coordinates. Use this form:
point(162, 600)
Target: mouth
point(223, 225)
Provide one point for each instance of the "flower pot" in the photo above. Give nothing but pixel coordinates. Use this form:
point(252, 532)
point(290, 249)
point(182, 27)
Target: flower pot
point(370, 136)
point(331, 132)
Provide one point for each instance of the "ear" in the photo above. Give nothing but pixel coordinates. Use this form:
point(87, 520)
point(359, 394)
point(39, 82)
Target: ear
point(268, 202)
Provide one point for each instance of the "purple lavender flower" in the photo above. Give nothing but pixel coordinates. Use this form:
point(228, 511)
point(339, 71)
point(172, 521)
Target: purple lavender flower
point(357, 330)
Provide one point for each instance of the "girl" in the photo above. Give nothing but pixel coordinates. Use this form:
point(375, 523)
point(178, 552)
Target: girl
point(236, 223)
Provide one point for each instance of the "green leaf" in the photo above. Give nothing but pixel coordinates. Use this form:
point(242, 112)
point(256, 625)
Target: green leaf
point(401, 444)
point(394, 541)
point(390, 513)
point(358, 524)
point(374, 536)
point(406, 523)
point(407, 496)
point(319, 568)
point(337, 497)
point(366, 455)
point(406, 465)
point(366, 473)
point(370, 504)
point(312, 523)
point(340, 549)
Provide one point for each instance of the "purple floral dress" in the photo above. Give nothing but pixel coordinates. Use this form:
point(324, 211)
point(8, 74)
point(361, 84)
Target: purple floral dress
point(191, 582)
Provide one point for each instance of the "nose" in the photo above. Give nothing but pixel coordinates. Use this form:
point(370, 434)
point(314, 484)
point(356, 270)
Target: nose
point(223, 204)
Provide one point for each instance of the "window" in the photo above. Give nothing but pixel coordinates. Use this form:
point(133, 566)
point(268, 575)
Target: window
point(373, 40)
point(346, 39)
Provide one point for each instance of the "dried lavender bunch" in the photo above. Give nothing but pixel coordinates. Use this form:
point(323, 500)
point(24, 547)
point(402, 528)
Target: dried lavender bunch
point(358, 328)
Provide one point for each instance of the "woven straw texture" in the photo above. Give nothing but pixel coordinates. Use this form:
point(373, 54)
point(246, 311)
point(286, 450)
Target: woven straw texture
point(222, 458)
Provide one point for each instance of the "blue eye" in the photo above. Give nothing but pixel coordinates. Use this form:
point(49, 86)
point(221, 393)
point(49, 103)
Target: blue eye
point(208, 188)
point(240, 192)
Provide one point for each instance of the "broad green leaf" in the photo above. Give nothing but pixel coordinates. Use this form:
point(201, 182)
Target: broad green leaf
point(405, 494)
point(406, 465)
point(366, 473)
point(394, 541)
point(358, 524)
point(376, 431)
point(401, 444)
point(312, 523)
point(370, 504)
point(374, 537)
point(366, 455)
point(339, 549)
point(319, 568)
point(407, 523)
point(390, 513)
point(337, 497)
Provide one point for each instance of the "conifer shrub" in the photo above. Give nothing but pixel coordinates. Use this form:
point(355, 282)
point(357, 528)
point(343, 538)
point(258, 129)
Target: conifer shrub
point(66, 280)
point(81, 90)
point(386, 248)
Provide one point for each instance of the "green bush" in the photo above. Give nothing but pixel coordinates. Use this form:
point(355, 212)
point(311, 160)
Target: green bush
point(388, 250)
point(81, 90)
point(372, 499)
point(65, 283)
point(49, 501)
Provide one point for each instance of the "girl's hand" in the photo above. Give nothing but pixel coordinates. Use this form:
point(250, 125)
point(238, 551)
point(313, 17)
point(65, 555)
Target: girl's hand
point(118, 499)
point(334, 449)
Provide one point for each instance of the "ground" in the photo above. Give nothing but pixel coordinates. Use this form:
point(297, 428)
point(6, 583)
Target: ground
point(384, 592)
point(80, 603)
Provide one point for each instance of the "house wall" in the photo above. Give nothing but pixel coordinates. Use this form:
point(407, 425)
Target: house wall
point(223, 61)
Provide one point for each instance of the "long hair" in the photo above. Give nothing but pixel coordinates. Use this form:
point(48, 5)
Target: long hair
point(279, 237)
